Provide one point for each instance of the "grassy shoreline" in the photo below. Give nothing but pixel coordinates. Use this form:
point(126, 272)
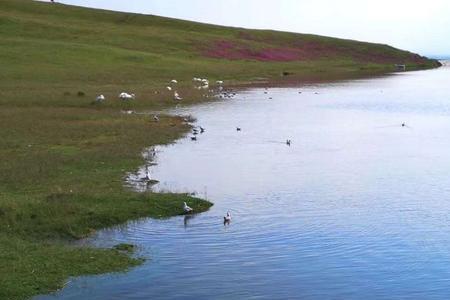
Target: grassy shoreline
point(59, 193)
point(64, 159)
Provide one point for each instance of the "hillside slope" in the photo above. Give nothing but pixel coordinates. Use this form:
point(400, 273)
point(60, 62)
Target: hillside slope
point(78, 44)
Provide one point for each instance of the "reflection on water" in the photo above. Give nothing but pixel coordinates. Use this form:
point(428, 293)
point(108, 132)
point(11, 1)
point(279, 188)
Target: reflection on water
point(357, 207)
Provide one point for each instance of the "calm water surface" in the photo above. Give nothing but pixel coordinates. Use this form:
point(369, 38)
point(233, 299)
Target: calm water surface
point(358, 207)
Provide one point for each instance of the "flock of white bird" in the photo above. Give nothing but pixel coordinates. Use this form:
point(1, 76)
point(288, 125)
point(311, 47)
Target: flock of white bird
point(199, 83)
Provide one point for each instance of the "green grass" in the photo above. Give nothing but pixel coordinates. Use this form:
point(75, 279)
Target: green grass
point(64, 159)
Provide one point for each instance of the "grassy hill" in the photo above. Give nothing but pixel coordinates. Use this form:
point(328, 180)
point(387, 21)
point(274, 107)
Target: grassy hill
point(64, 159)
point(79, 45)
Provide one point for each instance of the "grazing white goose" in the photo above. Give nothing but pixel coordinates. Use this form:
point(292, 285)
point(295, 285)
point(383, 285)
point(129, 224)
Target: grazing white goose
point(169, 88)
point(219, 82)
point(227, 217)
point(126, 96)
point(100, 98)
point(187, 209)
point(173, 81)
point(176, 96)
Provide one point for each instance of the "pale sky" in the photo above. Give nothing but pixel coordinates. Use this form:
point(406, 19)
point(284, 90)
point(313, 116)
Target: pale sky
point(416, 25)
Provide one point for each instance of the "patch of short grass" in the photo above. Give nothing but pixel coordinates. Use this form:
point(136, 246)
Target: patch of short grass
point(28, 268)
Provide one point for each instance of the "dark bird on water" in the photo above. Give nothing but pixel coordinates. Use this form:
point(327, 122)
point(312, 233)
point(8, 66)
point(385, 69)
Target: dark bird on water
point(193, 138)
point(238, 128)
point(227, 218)
point(202, 129)
point(288, 142)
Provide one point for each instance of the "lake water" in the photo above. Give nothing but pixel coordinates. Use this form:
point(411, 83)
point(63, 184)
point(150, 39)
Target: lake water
point(358, 207)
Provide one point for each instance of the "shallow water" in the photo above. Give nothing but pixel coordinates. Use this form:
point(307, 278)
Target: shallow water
point(357, 207)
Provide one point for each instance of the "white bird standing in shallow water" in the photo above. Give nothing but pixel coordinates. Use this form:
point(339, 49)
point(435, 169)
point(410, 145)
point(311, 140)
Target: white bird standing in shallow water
point(147, 176)
point(187, 209)
point(227, 218)
point(155, 118)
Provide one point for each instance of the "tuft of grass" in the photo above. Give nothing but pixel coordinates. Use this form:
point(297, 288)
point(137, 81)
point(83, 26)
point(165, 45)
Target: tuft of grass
point(125, 247)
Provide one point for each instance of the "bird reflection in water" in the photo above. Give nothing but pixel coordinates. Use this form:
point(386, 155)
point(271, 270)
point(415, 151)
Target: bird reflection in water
point(187, 218)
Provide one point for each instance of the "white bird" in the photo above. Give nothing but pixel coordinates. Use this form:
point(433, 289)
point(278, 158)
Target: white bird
point(126, 96)
point(169, 88)
point(227, 218)
point(219, 82)
point(173, 81)
point(176, 96)
point(155, 118)
point(205, 81)
point(147, 176)
point(187, 209)
point(100, 98)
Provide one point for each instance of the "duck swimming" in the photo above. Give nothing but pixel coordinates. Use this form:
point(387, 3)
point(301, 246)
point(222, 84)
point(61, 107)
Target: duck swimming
point(227, 218)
